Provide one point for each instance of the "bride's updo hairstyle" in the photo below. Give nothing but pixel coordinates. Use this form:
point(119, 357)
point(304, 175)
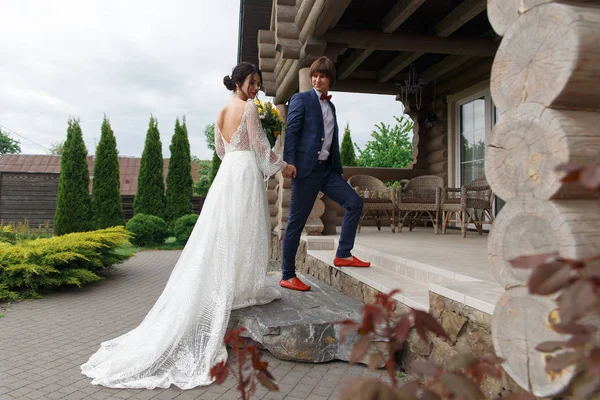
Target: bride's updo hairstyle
point(239, 75)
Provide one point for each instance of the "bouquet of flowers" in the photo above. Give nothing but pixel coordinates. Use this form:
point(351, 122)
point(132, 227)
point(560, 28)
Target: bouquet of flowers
point(270, 120)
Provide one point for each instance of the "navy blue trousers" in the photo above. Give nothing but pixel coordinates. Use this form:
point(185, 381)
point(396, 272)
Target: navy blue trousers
point(304, 194)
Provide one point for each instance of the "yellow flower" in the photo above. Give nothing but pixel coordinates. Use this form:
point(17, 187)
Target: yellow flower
point(277, 133)
point(260, 109)
point(257, 102)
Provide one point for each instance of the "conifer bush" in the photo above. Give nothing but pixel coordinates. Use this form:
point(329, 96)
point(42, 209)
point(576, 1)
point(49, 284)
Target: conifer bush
point(147, 230)
point(184, 226)
point(179, 177)
point(30, 268)
point(73, 207)
point(150, 197)
point(107, 208)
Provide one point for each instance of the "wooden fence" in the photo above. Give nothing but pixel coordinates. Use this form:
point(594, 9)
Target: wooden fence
point(32, 197)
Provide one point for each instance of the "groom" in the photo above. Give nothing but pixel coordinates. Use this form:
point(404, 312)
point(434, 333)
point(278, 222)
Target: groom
point(312, 149)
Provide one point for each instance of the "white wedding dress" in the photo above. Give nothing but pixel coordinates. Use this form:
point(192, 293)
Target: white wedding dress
point(222, 268)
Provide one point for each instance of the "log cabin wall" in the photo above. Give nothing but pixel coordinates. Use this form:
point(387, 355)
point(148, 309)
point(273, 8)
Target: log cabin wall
point(545, 83)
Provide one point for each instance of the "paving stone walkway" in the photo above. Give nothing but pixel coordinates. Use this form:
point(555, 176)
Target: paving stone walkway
point(43, 342)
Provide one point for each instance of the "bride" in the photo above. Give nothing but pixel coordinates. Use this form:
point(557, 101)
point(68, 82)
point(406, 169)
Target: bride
point(222, 267)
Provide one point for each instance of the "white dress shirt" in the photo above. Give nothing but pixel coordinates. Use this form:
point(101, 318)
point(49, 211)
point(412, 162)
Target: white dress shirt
point(328, 125)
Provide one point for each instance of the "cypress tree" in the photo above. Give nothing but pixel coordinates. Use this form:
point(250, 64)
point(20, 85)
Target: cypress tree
point(73, 208)
point(216, 163)
point(179, 178)
point(347, 155)
point(106, 193)
point(150, 197)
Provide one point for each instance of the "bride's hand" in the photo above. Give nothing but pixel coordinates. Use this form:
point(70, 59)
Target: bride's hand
point(289, 171)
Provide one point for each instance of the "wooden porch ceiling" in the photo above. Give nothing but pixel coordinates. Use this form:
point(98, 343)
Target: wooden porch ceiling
point(372, 43)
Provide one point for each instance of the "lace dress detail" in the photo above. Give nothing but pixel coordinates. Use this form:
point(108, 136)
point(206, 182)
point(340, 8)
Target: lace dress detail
point(222, 267)
point(250, 136)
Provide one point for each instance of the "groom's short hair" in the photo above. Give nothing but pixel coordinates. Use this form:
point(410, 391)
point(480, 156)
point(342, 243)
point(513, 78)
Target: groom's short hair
point(323, 65)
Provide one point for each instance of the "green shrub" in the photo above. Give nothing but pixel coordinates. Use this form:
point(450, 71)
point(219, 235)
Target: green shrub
point(184, 226)
point(31, 267)
point(147, 230)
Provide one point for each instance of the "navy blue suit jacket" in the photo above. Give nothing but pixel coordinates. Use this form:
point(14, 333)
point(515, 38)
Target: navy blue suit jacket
point(305, 133)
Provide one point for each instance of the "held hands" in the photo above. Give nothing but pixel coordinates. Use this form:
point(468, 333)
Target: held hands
point(289, 171)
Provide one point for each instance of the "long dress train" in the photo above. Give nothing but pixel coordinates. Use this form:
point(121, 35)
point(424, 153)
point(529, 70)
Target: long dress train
point(222, 267)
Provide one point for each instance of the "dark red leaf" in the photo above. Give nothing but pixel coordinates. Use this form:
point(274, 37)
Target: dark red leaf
point(219, 372)
point(567, 167)
point(573, 171)
point(589, 177)
point(593, 361)
point(574, 329)
point(461, 386)
point(371, 317)
point(424, 322)
point(562, 361)
point(347, 327)
point(579, 340)
point(424, 368)
point(532, 261)
point(360, 349)
point(549, 277)
point(401, 329)
point(576, 300)
point(551, 346)
point(267, 382)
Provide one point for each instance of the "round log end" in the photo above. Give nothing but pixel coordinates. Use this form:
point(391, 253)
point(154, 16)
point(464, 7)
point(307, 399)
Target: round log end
point(521, 321)
point(549, 55)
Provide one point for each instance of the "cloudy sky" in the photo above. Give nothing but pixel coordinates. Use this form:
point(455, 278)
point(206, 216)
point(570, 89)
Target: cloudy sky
point(130, 59)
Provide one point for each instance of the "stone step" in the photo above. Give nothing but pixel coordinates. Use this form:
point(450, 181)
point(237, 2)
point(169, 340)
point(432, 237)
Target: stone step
point(414, 294)
point(301, 326)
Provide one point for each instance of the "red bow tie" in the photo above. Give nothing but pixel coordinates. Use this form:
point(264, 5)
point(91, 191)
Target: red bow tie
point(325, 97)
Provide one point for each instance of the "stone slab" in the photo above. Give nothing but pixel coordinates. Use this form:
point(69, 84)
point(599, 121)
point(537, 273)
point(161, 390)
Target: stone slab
point(301, 326)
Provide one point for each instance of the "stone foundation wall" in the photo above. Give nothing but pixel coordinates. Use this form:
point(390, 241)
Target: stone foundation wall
point(469, 329)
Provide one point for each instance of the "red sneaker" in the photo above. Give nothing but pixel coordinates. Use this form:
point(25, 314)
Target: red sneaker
point(294, 284)
point(355, 262)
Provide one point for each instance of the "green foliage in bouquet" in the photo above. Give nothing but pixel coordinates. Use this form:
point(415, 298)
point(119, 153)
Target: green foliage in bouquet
point(270, 120)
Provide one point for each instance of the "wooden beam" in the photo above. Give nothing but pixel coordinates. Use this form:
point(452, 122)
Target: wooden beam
point(289, 84)
point(265, 36)
point(399, 14)
point(266, 64)
point(289, 48)
point(330, 16)
point(284, 70)
point(286, 13)
point(463, 13)
point(363, 86)
point(443, 67)
point(308, 28)
point(303, 11)
point(363, 39)
point(356, 58)
point(395, 66)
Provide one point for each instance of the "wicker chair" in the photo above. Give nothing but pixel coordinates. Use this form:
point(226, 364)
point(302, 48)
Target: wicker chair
point(422, 195)
point(380, 202)
point(477, 196)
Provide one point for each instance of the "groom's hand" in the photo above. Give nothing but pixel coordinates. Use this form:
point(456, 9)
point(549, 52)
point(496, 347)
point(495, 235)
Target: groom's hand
point(289, 171)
